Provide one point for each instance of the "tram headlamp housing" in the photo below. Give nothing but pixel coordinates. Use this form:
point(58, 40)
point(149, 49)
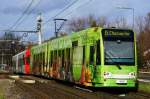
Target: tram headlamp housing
point(131, 74)
point(107, 74)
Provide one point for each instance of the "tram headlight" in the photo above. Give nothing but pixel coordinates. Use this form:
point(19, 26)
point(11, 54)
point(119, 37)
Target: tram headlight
point(107, 74)
point(132, 74)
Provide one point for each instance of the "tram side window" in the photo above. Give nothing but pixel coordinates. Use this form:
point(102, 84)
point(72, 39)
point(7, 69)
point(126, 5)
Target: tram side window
point(59, 58)
point(34, 60)
point(38, 59)
point(98, 60)
point(43, 59)
point(47, 60)
point(28, 60)
point(91, 54)
point(62, 58)
point(51, 62)
point(83, 55)
point(55, 55)
point(23, 59)
point(74, 43)
point(68, 56)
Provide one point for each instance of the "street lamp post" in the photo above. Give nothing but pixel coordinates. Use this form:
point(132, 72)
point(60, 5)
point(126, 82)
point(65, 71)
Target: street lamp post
point(126, 8)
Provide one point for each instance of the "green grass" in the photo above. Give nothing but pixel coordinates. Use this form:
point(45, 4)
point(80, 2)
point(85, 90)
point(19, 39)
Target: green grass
point(144, 87)
point(2, 97)
point(4, 83)
point(1, 92)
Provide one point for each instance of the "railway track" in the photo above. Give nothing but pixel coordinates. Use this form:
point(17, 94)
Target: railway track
point(137, 95)
point(56, 89)
point(36, 94)
point(50, 89)
point(53, 90)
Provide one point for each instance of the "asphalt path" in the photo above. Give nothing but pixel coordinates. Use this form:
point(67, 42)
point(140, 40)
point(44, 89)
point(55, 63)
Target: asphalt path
point(144, 75)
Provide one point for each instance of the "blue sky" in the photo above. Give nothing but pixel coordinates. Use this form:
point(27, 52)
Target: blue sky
point(11, 10)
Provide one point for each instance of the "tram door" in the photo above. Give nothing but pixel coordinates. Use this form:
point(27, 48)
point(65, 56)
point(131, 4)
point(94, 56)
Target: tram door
point(94, 60)
point(92, 64)
point(78, 56)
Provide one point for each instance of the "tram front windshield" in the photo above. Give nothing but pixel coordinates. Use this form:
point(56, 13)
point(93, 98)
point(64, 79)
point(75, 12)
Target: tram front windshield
point(118, 47)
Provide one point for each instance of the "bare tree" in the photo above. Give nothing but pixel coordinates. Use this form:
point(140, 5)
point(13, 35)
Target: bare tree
point(102, 21)
point(76, 24)
point(140, 24)
point(120, 22)
point(90, 21)
point(143, 24)
point(147, 24)
point(141, 48)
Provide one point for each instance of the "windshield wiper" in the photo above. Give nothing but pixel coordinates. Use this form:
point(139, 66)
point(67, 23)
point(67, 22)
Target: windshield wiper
point(108, 54)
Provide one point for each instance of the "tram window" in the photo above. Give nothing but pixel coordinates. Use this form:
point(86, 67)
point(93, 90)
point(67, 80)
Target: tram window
point(63, 58)
point(43, 59)
point(59, 53)
point(40, 59)
point(47, 58)
point(34, 60)
point(51, 58)
point(59, 58)
point(91, 54)
point(74, 43)
point(55, 54)
point(68, 53)
point(83, 55)
point(98, 60)
point(37, 60)
point(38, 55)
point(23, 59)
point(28, 60)
point(68, 56)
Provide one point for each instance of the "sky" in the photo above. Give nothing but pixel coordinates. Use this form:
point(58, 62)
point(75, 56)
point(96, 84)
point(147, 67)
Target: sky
point(12, 10)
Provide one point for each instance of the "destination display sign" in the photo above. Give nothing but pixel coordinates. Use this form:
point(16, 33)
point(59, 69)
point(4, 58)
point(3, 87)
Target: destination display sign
point(109, 34)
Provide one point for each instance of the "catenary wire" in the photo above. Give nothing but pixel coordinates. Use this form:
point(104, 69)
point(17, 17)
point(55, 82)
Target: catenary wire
point(24, 12)
point(63, 10)
point(37, 4)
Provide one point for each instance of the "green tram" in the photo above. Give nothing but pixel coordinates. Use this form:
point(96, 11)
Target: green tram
point(96, 57)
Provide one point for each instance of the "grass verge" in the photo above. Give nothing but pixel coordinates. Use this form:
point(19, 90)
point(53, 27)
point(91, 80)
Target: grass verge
point(144, 87)
point(2, 97)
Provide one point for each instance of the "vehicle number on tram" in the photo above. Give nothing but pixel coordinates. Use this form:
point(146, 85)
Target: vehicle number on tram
point(121, 81)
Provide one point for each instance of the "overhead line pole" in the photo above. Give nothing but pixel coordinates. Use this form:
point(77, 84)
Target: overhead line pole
point(38, 31)
point(39, 28)
point(57, 30)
